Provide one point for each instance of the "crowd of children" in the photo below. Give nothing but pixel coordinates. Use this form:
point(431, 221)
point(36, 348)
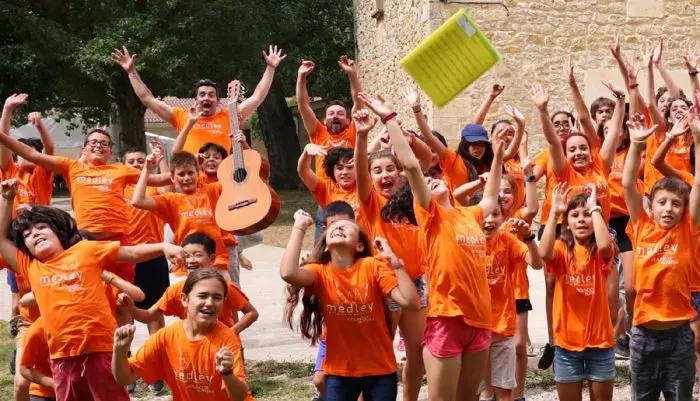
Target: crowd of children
point(412, 237)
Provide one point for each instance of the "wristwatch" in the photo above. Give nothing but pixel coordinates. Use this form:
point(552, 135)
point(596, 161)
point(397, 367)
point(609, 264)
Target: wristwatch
point(530, 178)
point(595, 209)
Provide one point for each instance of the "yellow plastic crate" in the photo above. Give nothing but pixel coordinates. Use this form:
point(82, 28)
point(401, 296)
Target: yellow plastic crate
point(450, 59)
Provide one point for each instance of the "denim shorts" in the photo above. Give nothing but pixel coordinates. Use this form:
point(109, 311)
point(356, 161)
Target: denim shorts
point(320, 356)
point(376, 388)
point(594, 364)
point(695, 301)
point(12, 281)
point(420, 287)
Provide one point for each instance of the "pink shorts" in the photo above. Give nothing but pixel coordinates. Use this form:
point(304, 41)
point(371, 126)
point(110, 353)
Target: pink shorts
point(86, 377)
point(447, 337)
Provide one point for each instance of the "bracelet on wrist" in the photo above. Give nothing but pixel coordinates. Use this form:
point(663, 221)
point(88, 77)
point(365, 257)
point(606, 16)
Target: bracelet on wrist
point(416, 109)
point(619, 96)
point(639, 142)
point(227, 372)
point(529, 238)
point(634, 86)
point(693, 73)
point(388, 117)
point(595, 209)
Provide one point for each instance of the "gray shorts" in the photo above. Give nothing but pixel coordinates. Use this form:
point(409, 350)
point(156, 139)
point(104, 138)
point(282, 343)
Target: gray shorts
point(234, 270)
point(662, 361)
point(420, 287)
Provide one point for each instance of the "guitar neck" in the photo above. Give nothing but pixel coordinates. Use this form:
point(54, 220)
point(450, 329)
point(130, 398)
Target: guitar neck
point(236, 148)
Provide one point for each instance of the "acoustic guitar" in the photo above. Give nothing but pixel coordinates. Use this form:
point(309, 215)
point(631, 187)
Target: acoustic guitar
point(247, 203)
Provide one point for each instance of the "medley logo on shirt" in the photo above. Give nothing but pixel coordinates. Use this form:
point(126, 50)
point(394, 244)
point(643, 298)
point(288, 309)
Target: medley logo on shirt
point(664, 254)
point(196, 381)
point(71, 282)
point(495, 271)
point(353, 305)
point(584, 284)
point(211, 126)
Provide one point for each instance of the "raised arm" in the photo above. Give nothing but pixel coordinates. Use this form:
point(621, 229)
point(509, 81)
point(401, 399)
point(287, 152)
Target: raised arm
point(656, 116)
point(694, 119)
point(363, 123)
point(34, 118)
point(273, 60)
point(659, 158)
point(612, 139)
point(638, 135)
point(127, 62)
point(192, 119)
point(541, 98)
point(514, 146)
point(521, 228)
point(603, 241)
point(489, 201)
point(483, 110)
point(290, 271)
point(584, 117)
point(121, 370)
point(615, 50)
point(307, 175)
point(158, 151)
point(408, 160)
point(532, 204)
point(463, 192)
point(308, 117)
point(29, 153)
point(8, 250)
point(549, 236)
point(420, 149)
point(673, 89)
point(405, 294)
point(413, 97)
point(140, 253)
point(350, 68)
point(690, 57)
point(11, 103)
point(139, 199)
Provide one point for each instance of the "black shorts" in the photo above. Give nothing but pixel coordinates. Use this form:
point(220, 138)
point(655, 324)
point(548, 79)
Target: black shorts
point(153, 278)
point(523, 305)
point(541, 231)
point(619, 224)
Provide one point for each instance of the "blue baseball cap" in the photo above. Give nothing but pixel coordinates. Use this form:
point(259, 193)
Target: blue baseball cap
point(475, 133)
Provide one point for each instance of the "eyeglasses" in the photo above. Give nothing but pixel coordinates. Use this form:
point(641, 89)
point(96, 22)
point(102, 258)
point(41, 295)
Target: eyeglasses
point(95, 143)
point(564, 124)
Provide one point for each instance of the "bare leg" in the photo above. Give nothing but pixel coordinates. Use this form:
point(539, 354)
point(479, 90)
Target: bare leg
point(696, 330)
point(443, 379)
point(21, 384)
point(503, 394)
point(472, 372)
point(318, 380)
point(570, 391)
point(521, 343)
point(601, 391)
point(550, 281)
point(412, 327)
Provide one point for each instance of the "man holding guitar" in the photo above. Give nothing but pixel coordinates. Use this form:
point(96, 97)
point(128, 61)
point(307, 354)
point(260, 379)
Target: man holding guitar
point(214, 124)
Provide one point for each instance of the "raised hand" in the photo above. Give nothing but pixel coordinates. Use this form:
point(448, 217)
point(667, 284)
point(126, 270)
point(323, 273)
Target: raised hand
point(559, 195)
point(658, 53)
point(306, 68)
point(519, 227)
point(8, 188)
point(125, 301)
point(376, 104)
point(569, 70)
point(123, 336)
point(539, 95)
point(157, 148)
point(638, 130)
point(680, 128)
point(384, 249)
point(34, 118)
point(363, 121)
point(496, 90)
point(15, 100)
point(315, 150)
point(195, 112)
point(690, 55)
point(224, 361)
point(413, 96)
point(592, 197)
point(515, 114)
point(616, 91)
point(498, 142)
point(694, 122)
point(275, 56)
point(347, 65)
point(124, 59)
point(174, 253)
point(615, 46)
point(302, 220)
point(632, 68)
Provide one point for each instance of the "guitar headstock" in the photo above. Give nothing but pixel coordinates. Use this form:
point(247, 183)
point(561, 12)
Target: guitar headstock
point(234, 92)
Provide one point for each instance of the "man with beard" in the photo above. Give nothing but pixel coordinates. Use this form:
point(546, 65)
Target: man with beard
point(213, 126)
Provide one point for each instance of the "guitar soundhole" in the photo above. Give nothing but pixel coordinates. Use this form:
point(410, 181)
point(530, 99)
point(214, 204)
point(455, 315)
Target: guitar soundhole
point(239, 175)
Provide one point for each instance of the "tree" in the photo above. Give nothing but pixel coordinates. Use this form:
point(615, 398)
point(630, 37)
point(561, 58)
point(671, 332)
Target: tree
point(58, 52)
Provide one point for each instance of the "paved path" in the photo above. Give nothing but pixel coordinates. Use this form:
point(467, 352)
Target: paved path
point(268, 338)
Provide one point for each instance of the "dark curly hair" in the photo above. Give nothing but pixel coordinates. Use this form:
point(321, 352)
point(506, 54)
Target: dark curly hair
point(567, 236)
point(60, 222)
point(311, 318)
point(335, 156)
point(399, 207)
point(33, 142)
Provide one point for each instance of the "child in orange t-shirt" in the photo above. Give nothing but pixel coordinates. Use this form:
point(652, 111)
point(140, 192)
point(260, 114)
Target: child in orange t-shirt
point(581, 262)
point(199, 254)
point(65, 274)
point(665, 241)
point(35, 364)
point(506, 252)
point(458, 328)
point(198, 357)
point(348, 287)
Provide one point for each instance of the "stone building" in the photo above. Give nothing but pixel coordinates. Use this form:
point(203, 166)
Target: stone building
point(533, 36)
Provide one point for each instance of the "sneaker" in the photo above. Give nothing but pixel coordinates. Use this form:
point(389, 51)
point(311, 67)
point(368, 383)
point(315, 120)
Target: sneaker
point(156, 386)
point(547, 357)
point(14, 330)
point(530, 352)
point(13, 359)
point(130, 388)
point(622, 347)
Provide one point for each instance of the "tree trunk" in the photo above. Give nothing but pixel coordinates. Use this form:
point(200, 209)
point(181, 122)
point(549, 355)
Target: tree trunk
point(280, 137)
point(126, 115)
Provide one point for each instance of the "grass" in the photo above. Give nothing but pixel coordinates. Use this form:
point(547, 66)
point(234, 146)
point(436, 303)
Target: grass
point(544, 379)
point(278, 233)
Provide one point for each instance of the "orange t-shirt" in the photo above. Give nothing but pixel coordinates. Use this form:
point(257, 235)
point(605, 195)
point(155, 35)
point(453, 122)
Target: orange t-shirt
point(214, 129)
point(663, 263)
point(328, 191)
point(678, 157)
point(321, 136)
point(454, 170)
point(521, 283)
point(543, 160)
point(695, 273)
point(455, 248)
point(205, 179)
point(578, 181)
point(513, 168)
point(35, 187)
point(187, 366)
point(71, 295)
point(358, 342)
point(618, 206)
point(504, 253)
point(144, 226)
point(581, 313)
point(35, 354)
point(97, 194)
point(31, 313)
point(402, 237)
point(170, 304)
point(189, 214)
point(228, 237)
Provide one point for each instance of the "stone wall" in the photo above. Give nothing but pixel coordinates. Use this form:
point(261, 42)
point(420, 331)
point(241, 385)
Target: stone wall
point(533, 40)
